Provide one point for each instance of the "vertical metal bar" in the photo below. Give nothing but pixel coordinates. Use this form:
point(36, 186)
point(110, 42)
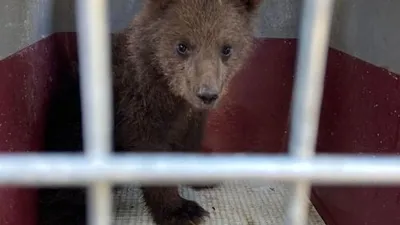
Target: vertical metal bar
point(96, 91)
point(95, 71)
point(307, 96)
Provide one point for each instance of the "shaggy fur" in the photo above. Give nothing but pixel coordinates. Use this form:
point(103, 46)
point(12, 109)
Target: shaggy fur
point(167, 64)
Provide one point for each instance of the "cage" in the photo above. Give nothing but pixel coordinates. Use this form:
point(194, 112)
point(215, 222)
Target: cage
point(359, 111)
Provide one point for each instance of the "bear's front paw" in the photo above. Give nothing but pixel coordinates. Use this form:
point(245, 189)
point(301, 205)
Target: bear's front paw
point(203, 187)
point(187, 213)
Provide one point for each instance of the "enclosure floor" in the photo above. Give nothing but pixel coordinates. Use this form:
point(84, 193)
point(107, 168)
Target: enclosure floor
point(233, 203)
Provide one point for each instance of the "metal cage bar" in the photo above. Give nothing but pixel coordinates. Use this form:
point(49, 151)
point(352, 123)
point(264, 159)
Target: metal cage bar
point(95, 71)
point(307, 96)
point(68, 169)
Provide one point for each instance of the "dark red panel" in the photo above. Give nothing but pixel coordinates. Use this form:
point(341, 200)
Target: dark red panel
point(26, 79)
point(360, 115)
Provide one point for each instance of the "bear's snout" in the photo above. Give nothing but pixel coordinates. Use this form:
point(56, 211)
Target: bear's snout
point(208, 95)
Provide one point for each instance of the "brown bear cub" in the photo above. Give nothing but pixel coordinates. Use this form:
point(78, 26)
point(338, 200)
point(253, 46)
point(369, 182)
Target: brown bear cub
point(171, 65)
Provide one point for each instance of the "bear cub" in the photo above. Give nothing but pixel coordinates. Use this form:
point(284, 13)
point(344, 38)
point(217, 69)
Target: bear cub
point(171, 66)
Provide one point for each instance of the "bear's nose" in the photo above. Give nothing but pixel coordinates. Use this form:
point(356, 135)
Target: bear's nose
point(207, 95)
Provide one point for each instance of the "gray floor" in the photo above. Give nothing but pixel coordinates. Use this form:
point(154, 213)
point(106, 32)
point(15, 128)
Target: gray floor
point(233, 203)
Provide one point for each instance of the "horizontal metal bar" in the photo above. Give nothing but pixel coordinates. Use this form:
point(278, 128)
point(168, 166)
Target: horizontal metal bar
point(67, 170)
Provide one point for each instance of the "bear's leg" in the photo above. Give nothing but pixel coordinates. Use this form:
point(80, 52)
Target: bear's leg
point(168, 208)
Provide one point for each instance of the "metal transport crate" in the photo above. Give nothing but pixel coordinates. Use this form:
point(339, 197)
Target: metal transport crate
point(98, 168)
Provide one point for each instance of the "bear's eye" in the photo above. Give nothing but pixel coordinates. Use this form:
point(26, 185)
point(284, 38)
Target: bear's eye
point(226, 51)
point(182, 49)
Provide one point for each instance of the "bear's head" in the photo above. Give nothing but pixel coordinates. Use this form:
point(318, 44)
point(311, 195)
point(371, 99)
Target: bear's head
point(201, 44)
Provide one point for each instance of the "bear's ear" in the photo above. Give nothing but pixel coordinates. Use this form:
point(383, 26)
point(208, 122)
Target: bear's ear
point(160, 4)
point(249, 5)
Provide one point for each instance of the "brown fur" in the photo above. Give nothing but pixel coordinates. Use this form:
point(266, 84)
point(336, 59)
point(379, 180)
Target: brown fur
point(156, 88)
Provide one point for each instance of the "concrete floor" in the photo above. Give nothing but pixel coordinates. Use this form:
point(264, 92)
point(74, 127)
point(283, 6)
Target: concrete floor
point(233, 203)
